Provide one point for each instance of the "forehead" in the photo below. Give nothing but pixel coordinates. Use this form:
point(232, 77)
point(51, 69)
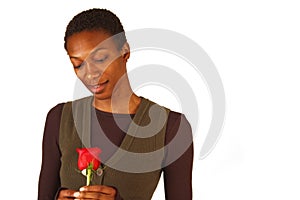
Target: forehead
point(85, 42)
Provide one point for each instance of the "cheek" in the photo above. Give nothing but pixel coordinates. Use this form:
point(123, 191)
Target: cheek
point(117, 73)
point(77, 73)
point(115, 70)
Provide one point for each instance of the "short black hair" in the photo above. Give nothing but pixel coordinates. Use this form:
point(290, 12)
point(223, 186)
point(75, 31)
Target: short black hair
point(97, 19)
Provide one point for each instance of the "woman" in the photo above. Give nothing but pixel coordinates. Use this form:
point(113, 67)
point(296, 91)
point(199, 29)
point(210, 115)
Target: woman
point(117, 121)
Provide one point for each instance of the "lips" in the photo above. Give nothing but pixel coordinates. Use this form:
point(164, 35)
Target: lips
point(97, 88)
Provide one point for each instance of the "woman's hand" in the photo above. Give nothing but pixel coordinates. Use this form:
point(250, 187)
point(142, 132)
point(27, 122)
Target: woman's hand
point(100, 192)
point(66, 194)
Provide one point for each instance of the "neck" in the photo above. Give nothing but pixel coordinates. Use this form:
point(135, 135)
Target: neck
point(123, 101)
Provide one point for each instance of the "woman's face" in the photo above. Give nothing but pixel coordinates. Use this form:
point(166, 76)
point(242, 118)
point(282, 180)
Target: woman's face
point(97, 61)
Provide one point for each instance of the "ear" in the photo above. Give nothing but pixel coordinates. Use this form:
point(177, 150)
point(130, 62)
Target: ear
point(125, 51)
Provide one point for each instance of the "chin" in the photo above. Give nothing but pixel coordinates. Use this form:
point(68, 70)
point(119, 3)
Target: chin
point(101, 96)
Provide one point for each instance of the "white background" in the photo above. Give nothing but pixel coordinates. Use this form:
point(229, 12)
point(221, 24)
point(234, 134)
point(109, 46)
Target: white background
point(255, 46)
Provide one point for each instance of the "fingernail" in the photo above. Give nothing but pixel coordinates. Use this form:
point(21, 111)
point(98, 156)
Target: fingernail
point(82, 189)
point(76, 194)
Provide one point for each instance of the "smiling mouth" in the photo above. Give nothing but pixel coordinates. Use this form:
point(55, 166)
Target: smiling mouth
point(97, 88)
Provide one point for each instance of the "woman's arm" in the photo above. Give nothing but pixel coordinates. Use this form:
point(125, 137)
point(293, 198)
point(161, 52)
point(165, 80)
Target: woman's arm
point(178, 172)
point(49, 181)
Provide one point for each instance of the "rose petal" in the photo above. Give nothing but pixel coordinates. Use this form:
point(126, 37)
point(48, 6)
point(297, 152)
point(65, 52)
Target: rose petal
point(87, 156)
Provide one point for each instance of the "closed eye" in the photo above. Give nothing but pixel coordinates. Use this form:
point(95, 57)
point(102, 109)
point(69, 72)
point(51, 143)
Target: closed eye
point(78, 66)
point(101, 59)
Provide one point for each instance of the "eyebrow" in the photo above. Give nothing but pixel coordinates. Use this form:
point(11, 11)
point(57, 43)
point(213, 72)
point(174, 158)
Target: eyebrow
point(98, 49)
point(92, 52)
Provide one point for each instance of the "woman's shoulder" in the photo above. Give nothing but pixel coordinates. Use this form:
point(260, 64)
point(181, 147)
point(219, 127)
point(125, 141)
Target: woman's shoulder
point(175, 115)
point(176, 119)
point(55, 112)
point(56, 109)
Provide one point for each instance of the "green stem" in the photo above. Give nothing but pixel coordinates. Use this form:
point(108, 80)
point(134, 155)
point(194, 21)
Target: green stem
point(88, 176)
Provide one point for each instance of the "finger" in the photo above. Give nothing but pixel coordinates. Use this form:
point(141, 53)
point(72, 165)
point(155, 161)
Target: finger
point(64, 194)
point(99, 188)
point(94, 196)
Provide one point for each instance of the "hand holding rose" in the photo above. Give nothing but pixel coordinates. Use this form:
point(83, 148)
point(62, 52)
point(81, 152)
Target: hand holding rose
point(100, 192)
point(89, 161)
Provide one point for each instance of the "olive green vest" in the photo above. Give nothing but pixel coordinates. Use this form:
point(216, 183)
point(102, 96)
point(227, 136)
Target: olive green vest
point(135, 168)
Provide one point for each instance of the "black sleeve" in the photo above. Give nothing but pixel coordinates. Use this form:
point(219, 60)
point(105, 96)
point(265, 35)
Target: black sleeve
point(49, 181)
point(178, 158)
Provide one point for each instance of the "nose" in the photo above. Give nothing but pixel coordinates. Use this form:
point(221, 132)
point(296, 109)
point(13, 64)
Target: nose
point(93, 76)
point(92, 72)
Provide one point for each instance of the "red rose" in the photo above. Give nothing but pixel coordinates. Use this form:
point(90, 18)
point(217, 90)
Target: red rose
point(87, 157)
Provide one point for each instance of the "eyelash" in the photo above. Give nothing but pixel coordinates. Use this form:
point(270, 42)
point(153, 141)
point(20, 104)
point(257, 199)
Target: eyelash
point(99, 61)
point(103, 59)
point(78, 66)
